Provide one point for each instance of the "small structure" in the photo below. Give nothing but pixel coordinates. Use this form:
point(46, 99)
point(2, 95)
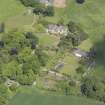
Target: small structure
point(57, 29)
point(79, 53)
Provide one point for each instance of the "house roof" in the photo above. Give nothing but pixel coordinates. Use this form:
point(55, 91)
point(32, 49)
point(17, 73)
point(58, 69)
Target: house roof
point(79, 53)
point(56, 27)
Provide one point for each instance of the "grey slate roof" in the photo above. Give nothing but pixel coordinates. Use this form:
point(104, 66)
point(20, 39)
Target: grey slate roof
point(79, 52)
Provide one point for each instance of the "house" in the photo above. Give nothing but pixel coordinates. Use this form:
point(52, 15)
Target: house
point(57, 29)
point(46, 2)
point(79, 53)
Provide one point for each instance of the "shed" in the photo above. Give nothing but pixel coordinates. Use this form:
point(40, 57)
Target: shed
point(79, 53)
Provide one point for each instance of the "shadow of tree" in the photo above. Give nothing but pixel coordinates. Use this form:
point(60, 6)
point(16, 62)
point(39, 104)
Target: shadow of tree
point(100, 52)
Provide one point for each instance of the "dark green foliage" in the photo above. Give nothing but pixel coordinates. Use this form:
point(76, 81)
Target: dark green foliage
point(26, 79)
point(20, 59)
point(31, 3)
point(77, 34)
point(80, 70)
point(3, 101)
point(65, 42)
point(3, 95)
point(1, 44)
point(42, 57)
point(74, 37)
point(88, 88)
point(48, 11)
point(80, 1)
point(38, 8)
point(14, 51)
point(13, 87)
point(33, 40)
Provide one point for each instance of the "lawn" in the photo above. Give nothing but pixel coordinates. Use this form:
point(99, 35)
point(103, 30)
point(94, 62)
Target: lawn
point(19, 21)
point(9, 8)
point(71, 63)
point(47, 39)
point(36, 98)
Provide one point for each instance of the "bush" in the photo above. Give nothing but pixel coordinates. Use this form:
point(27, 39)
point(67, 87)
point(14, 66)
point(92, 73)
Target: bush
point(88, 87)
point(48, 11)
point(80, 70)
point(13, 87)
point(31, 3)
point(80, 1)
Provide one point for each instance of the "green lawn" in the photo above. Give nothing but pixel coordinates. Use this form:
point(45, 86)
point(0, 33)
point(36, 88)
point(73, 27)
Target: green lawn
point(20, 21)
point(36, 98)
point(71, 63)
point(47, 39)
point(9, 8)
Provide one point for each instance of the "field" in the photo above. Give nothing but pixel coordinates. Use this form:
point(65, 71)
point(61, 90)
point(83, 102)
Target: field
point(14, 15)
point(37, 98)
point(9, 8)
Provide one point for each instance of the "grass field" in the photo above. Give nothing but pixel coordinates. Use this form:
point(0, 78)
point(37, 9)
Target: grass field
point(71, 63)
point(36, 98)
point(9, 8)
point(47, 40)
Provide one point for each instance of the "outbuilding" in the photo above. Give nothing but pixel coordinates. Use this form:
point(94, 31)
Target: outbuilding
point(79, 53)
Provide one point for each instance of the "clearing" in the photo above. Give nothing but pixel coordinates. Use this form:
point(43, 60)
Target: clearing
point(34, 97)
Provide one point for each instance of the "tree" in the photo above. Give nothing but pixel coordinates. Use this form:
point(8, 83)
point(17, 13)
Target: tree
point(26, 79)
point(13, 87)
point(17, 60)
point(1, 44)
point(41, 56)
point(49, 11)
point(88, 88)
point(65, 42)
point(45, 11)
point(28, 3)
point(11, 69)
point(33, 40)
point(80, 1)
point(3, 101)
point(77, 34)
